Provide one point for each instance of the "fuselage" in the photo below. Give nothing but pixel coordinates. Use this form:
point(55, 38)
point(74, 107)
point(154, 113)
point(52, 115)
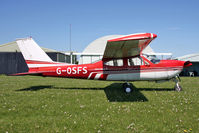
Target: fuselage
point(126, 69)
point(123, 60)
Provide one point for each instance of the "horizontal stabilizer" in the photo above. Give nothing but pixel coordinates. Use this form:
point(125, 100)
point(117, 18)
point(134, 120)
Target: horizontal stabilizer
point(27, 73)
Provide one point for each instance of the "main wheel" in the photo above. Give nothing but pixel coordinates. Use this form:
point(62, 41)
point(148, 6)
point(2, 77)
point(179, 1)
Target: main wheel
point(128, 90)
point(127, 87)
point(178, 87)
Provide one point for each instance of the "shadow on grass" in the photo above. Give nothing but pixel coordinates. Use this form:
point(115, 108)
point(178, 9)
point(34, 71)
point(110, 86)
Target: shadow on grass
point(36, 88)
point(114, 92)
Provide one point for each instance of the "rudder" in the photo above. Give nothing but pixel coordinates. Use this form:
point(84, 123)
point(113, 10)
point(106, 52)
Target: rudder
point(31, 50)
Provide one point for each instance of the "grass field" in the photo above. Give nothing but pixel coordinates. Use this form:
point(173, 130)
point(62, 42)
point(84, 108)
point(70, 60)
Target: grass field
point(38, 104)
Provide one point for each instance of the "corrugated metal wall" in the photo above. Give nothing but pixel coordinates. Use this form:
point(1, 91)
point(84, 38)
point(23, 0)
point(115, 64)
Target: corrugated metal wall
point(13, 62)
point(53, 56)
point(60, 57)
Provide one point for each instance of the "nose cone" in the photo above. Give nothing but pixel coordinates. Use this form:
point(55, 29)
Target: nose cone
point(181, 63)
point(187, 64)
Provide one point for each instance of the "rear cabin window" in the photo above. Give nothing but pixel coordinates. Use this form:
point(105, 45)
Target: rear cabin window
point(135, 61)
point(115, 62)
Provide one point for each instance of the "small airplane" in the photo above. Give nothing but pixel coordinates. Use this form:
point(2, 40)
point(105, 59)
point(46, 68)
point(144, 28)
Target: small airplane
point(122, 60)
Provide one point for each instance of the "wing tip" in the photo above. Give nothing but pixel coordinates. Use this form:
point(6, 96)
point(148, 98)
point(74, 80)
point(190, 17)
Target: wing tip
point(137, 36)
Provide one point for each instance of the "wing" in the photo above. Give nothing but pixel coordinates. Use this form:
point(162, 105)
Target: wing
point(127, 46)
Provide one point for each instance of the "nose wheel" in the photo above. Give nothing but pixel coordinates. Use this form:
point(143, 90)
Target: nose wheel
point(127, 87)
point(177, 86)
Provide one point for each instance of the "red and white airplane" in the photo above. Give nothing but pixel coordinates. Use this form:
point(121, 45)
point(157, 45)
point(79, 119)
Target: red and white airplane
point(123, 60)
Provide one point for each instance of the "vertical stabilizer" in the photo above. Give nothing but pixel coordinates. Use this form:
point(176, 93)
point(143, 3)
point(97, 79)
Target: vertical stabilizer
point(31, 50)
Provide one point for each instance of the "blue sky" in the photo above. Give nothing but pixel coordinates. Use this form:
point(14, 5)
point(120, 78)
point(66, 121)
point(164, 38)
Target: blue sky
point(176, 22)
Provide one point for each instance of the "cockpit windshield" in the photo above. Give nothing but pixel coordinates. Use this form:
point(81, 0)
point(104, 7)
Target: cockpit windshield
point(152, 58)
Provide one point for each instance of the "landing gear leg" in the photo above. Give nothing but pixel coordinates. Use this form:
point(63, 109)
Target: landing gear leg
point(127, 87)
point(177, 86)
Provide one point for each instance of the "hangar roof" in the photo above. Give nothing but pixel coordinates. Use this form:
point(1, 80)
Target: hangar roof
point(98, 46)
point(13, 47)
point(190, 57)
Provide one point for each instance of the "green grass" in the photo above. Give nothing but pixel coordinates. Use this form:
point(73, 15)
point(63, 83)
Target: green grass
point(38, 104)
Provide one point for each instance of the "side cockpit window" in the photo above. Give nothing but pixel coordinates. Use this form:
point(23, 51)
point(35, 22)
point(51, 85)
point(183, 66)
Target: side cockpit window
point(152, 58)
point(114, 62)
point(135, 61)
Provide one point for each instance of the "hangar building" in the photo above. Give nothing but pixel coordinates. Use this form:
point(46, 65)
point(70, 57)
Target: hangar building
point(192, 70)
point(95, 50)
point(12, 61)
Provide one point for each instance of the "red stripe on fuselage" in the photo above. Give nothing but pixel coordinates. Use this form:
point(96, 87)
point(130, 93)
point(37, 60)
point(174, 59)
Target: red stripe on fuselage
point(93, 76)
point(41, 62)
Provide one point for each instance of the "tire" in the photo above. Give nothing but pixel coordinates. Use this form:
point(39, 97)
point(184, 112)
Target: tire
point(178, 87)
point(127, 87)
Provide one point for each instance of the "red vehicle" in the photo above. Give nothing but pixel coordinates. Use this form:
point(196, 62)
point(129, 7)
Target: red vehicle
point(122, 61)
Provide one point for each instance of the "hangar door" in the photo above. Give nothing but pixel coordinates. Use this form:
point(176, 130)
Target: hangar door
point(12, 62)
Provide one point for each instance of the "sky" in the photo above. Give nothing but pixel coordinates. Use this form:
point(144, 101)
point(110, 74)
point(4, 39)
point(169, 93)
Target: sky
point(176, 22)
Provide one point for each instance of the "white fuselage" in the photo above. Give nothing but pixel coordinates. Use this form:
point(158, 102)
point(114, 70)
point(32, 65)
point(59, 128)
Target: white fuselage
point(148, 75)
